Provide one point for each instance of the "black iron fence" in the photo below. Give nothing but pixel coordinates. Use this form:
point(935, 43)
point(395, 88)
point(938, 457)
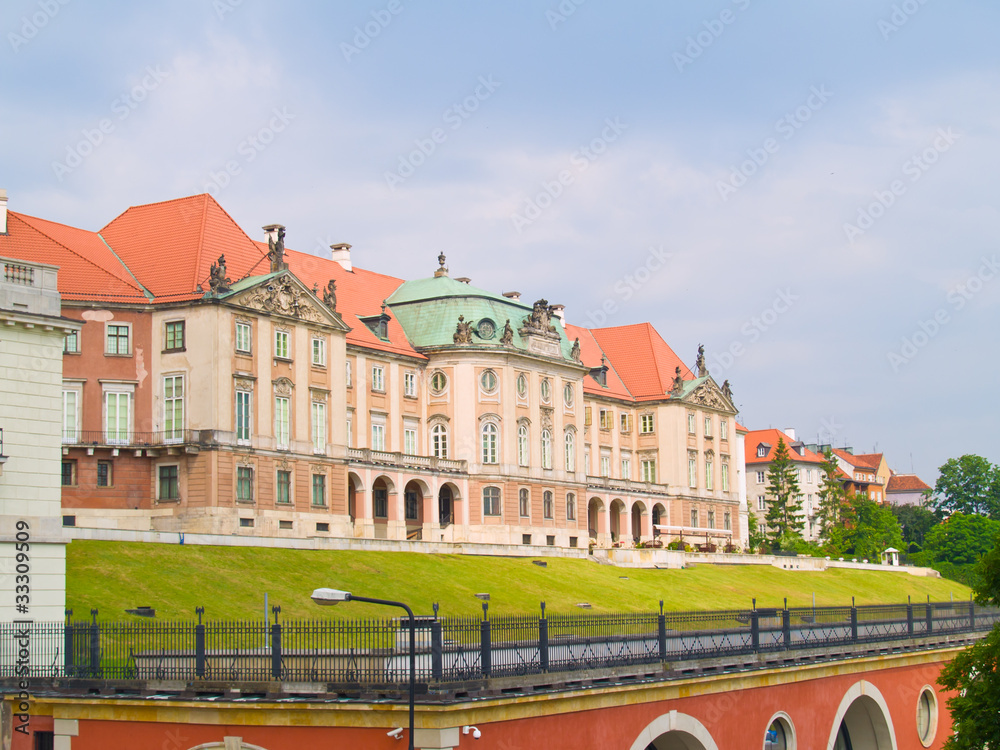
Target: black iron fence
point(374, 652)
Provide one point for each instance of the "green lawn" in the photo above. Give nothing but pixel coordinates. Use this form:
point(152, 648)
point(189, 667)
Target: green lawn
point(230, 583)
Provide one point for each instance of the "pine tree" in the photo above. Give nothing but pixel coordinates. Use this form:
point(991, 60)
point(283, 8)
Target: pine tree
point(784, 507)
point(832, 496)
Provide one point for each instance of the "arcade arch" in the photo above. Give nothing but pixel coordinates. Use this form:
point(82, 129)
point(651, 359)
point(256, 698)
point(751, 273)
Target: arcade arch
point(862, 721)
point(674, 731)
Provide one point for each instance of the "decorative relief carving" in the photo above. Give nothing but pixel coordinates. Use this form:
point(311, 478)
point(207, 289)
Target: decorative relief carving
point(283, 387)
point(243, 384)
point(539, 322)
point(244, 459)
point(708, 395)
point(281, 296)
point(546, 416)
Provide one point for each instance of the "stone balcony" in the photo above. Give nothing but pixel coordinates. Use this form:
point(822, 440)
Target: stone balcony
point(403, 460)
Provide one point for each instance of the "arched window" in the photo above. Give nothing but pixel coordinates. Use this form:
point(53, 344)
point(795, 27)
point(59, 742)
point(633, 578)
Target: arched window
point(439, 441)
point(546, 449)
point(491, 443)
point(548, 506)
point(570, 452)
point(522, 445)
point(524, 503)
point(570, 506)
point(491, 501)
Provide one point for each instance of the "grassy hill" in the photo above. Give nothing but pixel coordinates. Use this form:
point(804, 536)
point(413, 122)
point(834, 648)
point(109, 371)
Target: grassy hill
point(230, 583)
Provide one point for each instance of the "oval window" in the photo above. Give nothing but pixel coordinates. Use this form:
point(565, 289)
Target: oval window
point(546, 390)
point(488, 380)
point(522, 385)
point(439, 381)
point(568, 394)
point(486, 328)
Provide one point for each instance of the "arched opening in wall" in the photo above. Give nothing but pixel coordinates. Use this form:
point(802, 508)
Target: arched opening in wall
point(676, 740)
point(413, 509)
point(659, 517)
point(864, 727)
point(617, 508)
point(780, 734)
point(594, 509)
point(638, 509)
point(447, 504)
point(354, 488)
point(382, 510)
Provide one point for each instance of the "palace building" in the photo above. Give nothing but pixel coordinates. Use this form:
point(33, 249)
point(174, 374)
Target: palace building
point(223, 385)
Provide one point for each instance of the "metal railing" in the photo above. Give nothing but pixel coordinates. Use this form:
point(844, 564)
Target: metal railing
point(374, 652)
point(129, 438)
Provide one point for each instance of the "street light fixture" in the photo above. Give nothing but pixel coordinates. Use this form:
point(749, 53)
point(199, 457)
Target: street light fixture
point(329, 597)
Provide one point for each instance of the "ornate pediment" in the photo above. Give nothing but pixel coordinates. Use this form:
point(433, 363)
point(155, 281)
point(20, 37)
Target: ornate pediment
point(708, 394)
point(285, 296)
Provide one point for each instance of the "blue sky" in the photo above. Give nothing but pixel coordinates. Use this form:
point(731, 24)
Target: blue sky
point(808, 189)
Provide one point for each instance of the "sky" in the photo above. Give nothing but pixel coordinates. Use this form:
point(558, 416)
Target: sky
point(809, 189)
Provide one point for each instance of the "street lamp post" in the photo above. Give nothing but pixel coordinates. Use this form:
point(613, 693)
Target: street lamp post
point(329, 597)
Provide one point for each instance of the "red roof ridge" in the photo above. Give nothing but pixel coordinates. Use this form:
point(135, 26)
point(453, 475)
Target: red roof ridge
point(201, 240)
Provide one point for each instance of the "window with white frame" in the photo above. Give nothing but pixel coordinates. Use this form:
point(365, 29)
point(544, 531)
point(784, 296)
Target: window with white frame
point(410, 441)
point(524, 503)
point(711, 519)
point(727, 521)
point(761, 502)
point(439, 383)
point(546, 449)
point(570, 441)
point(709, 473)
point(626, 422)
point(244, 400)
point(568, 394)
point(282, 344)
point(350, 431)
point(319, 351)
point(347, 368)
point(522, 445)
point(724, 429)
point(646, 424)
point(71, 413)
point(378, 378)
point(491, 501)
point(809, 475)
point(282, 421)
point(691, 424)
point(708, 427)
point(761, 477)
point(71, 343)
point(439, 441)
point(545, 390)
point(522, 386)
point(410, 384)
point(243, 337)
point(761, 451)
point(694, 518)
point(490, 443)
point(118, 339)
point(117, 413)
point(648, 470)
point(488, 382)
point(605, 468)
point(319, 427)
point(725, 476)
point(173, 407)
point(626, 465)
point(570, 506)
point(692, 472)
point(548, 505)
point(607, 419)
point(378, 433)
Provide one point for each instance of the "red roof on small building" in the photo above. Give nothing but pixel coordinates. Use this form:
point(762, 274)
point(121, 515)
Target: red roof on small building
point(770, 438)
point(906, 483)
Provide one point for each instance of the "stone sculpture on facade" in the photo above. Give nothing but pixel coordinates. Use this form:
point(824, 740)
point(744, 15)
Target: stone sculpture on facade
point(539, 322)
point(330, 294)
point(276, 250)
point(727, 390)
point(218, 282)
point(507, 337)
point(463, 331)
point(575, 351)
point(700, 362)
point(678, 384)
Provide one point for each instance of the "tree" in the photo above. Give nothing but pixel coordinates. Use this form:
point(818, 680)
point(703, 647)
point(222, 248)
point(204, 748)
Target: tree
point(974, 674)
point(956, 545)
point(832, 496)
point(969, 484)
point(756, 537)
point(867, 529)
point(915, 521)
point(784, 508)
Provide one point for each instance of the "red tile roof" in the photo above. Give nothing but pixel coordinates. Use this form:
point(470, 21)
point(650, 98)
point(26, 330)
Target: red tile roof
point(88, 269)
point(869, 460)
point(171, 246)
point(755, 437)
point(590, 355)
point(906, 483)
point(643, 359)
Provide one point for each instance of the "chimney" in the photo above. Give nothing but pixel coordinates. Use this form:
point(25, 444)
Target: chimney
point(463, 279)
point(512, 295)
point(560, 312)
point(271, 232)
point(341, 252)
point(3, 211)
point(790, 431)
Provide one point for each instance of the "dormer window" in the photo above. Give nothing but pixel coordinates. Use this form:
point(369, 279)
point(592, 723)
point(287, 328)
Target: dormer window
point(600, 374)
point(762, 450)
point(378, 324)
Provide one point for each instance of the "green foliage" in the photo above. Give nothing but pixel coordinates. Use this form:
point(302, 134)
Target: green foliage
point(868, 530)
point(969, 484)
point(756, 536)
point(784, 508)
point(832, 496)
point(974, 675)
point(915, 522)
point(230, 583)
point(955, 546)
